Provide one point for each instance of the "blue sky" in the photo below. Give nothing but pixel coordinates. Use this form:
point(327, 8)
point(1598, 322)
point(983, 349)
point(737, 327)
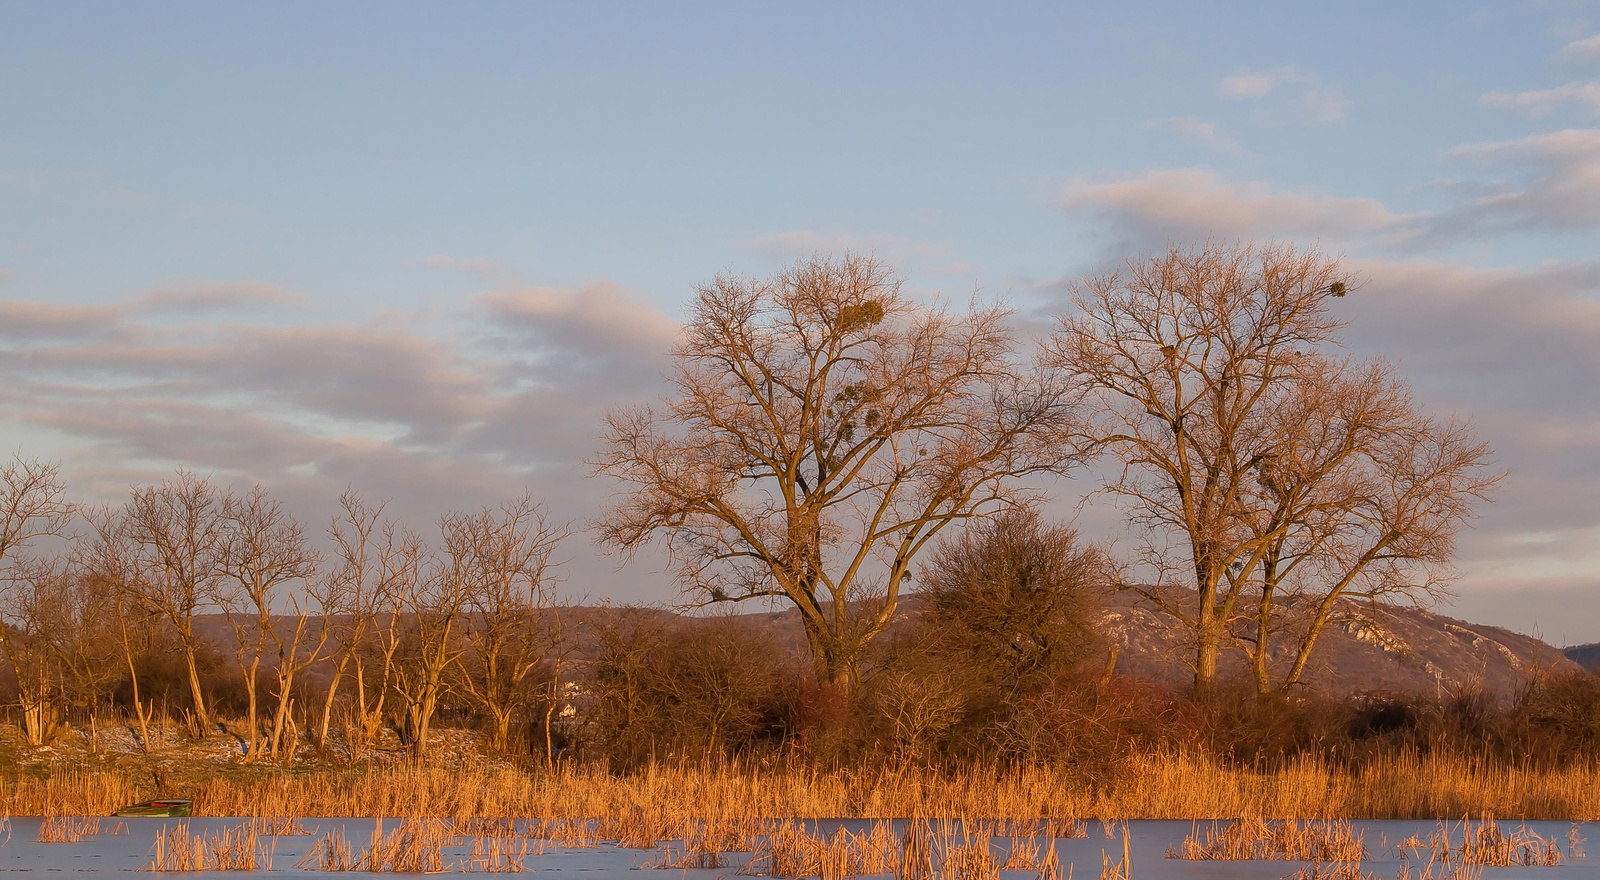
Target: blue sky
point(418, 248)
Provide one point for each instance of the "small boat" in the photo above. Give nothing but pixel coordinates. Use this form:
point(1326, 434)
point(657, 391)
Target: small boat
point(164, 808)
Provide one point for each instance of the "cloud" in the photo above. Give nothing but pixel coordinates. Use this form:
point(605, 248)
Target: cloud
point(110, 376)
point(39, 322)
point(1541, 102)
point(1556, 185)
point(1541, 183)
point(436, 412)
point(1198, 130)
point(1321, 105)
point(210, 296)
point(1260, 83)
point(599, 316)
point(1517, 350)
point(1586, 49)
point(1155, 207)
point(1313, 103)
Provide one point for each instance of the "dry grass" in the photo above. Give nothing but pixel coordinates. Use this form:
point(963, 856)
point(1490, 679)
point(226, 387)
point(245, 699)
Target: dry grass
point(232, 849)
point(1287, 840)
point(67, 829)
point(1121, 869)
point(643, 809)
point(497, 855)
point(332, 852)
point(1486, 844)
point(946, 849)
point(279, 826)
point(415, 847)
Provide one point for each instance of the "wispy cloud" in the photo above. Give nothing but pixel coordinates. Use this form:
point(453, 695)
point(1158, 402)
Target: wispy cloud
point(1305, 97)
point(1540, 102)
point(1555, 185)
point(1586, 49)
point(1198, 130)
point(1260, 83)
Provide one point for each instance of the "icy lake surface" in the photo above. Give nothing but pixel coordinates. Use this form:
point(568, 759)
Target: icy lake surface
point(129, 852)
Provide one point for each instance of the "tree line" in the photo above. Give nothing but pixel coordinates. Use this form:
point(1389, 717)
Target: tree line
point(829, 443)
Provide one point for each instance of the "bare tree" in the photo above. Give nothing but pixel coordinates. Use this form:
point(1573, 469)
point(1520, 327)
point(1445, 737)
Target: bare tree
point(173, 540)
point(107, 559)
point(514, 628)
point(402, 588)
point(433, 609)
point(353, 596)
point(1188, 353)
point(1378, 527)
point(825, 428)
point(264, 553)
point(31, 605)
point(33, 505)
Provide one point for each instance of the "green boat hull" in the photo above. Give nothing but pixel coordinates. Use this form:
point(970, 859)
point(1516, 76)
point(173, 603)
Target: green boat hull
point(167, 808)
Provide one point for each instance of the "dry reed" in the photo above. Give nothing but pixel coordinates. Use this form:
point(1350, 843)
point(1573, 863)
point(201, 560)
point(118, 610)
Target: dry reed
point(67, 829)
point(1157, 786)
point(1254, 838)
point(497, 855)
point(415, 847)
point(332, 852)
point(1485, 844)
point(279, 826)
point(1119, 870)
point(230, 849)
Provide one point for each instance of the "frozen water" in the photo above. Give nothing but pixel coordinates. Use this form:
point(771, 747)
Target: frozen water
point(1149, 840)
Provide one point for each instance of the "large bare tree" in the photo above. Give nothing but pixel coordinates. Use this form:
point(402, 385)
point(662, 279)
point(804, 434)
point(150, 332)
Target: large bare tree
point(1188, 354)
point(824, 428)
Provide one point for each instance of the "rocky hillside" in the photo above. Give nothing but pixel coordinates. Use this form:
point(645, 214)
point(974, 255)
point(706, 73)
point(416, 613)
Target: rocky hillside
point(1370, 650)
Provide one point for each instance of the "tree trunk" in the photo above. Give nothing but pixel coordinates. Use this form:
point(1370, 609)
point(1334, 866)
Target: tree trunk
point(38, 720)
point(194, 688)
point(250, 692)
point(1207, 640)
point(280, 718)
point(327, 704)
point(1263, 639)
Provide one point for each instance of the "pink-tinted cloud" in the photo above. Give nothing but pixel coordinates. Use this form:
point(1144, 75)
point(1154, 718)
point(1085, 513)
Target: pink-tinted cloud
point(1154, 207)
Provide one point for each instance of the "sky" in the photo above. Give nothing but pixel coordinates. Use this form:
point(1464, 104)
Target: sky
point(419, 249)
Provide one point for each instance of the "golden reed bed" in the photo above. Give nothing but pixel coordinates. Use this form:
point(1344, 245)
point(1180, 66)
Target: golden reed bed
point(1405, 786)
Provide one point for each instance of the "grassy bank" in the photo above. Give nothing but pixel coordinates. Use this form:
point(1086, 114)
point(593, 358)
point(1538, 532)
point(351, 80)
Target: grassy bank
point(1169, 786)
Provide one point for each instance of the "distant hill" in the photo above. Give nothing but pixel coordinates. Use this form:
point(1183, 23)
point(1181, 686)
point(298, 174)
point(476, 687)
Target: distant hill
point(1370, 650)
point(1587, 656)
